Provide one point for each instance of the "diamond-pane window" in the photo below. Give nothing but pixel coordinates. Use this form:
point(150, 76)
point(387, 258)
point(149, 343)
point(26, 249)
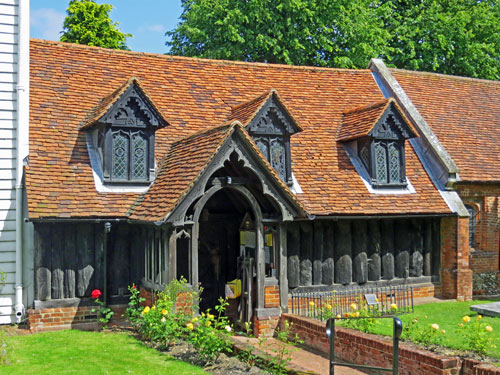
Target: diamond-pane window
point(394, 164)
point(262, 145)
point(278, 158)
point(139, 157)
point(380, 163)
point(120, 157)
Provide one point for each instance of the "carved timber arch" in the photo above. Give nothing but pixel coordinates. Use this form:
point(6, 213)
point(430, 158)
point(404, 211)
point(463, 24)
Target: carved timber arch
point(236, 144)
point(259, 230)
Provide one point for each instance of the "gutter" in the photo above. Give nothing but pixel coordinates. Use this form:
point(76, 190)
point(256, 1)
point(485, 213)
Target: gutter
point(22, 145)
point(438, 164)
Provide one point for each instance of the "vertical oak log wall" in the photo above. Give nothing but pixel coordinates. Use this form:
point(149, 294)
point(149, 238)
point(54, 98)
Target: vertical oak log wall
point(69, 259)
point(326, 252)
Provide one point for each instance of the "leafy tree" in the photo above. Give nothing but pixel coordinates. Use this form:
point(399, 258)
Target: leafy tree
point(89, 23)
point(460, 37)
point(449, 36)
point(342, 33)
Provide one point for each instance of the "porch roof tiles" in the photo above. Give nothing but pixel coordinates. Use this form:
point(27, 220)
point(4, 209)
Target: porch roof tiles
point(68, 81)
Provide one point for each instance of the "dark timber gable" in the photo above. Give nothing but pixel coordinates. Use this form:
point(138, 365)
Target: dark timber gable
point(271, 129)
point(123, 131)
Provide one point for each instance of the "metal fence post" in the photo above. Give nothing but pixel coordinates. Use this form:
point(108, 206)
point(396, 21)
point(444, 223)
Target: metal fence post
point(330, 332)
point(398, 329)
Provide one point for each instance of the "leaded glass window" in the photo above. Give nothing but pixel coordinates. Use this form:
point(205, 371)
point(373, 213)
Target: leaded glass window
point(129, 156)
point(472, 226)
point(139, 157)
point(278, 158)
point(262, 145)
point(394, 164)
point(383, 159)
point(380, 162)
point(120, 158)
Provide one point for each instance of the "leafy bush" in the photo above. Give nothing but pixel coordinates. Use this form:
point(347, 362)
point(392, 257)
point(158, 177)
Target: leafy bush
point(173, 317)
point(477, 334)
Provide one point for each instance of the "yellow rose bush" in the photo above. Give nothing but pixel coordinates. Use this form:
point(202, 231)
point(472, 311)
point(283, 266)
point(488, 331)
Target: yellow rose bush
point(165, 323)
point(477, 335)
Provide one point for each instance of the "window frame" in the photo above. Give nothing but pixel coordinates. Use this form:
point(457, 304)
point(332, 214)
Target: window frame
point(109, 148)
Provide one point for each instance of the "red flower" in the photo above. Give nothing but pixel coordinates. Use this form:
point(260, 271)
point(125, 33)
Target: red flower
point(134, 287)
point(96, 293)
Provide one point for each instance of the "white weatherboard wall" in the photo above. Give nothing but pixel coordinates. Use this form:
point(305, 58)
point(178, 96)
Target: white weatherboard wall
point(9, 11)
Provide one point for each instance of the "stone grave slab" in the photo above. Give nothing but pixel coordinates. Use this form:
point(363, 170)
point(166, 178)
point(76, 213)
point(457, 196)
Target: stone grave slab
point(487, 309)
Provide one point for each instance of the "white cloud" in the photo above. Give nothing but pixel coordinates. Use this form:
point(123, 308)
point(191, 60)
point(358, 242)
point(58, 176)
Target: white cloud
point(156, 28)
point(47, 23)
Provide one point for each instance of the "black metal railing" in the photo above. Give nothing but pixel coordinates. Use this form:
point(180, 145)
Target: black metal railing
point(379, 301)
point(394, 369)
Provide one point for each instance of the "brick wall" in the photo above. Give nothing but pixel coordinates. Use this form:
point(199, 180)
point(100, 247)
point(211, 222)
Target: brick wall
point(371, 350)
point(265, 326)
point(485, 199)
point(456, 276)
point(56, 318)
point(272, 296)
point(483, 261)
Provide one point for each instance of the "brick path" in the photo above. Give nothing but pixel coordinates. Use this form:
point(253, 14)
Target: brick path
point(303, 361)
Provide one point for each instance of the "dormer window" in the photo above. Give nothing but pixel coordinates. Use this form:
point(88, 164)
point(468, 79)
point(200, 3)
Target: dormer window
point(123, 128)
point(270, 125)
point(380, 131)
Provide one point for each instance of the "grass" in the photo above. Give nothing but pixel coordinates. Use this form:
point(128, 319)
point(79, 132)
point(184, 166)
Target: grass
point(447, 315)
point(77, 352)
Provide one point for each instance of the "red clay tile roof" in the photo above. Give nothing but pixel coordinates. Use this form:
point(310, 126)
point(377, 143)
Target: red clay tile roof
point(246, 112)
point(359, 122)
point(464, 113)
point(68, 81)
point(107, 102)
point(174, 180)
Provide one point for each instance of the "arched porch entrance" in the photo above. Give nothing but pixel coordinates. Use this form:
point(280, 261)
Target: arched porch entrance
point(234, 236)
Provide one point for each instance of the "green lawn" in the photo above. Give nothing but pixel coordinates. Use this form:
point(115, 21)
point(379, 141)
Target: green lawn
point(77, 352)
point(447, 315)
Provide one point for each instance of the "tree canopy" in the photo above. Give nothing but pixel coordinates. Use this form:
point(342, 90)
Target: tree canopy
point(89, 23)
point(449, 36)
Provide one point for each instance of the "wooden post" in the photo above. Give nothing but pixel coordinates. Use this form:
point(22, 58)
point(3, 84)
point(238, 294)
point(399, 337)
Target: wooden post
point(428, 247)
point(318, 253)
point(436, 247)
point(387, 240)
point(328, 267)
point(195, 234)
point(343, 252)
point(85, 260)
point(416, 257)
point(374, 250)
point(402, 244)
point(293, 261)
point(70, 261)
point(58, 261)
point(43, 261)
point(306, 252)
point(172, 255)
point(261, 265)
point(282, 237)
point(359, 250)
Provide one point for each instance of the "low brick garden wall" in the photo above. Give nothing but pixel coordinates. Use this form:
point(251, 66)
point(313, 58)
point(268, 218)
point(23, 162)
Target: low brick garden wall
point(361, 348)
point(55, 318)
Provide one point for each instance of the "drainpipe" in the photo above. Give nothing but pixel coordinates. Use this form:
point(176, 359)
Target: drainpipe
point(107, 229)
point(22, 110)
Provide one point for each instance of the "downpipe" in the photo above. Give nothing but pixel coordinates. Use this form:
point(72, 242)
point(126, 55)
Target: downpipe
point(22, 109)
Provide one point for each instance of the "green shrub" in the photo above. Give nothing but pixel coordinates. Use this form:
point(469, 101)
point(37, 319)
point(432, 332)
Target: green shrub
point(477, 334)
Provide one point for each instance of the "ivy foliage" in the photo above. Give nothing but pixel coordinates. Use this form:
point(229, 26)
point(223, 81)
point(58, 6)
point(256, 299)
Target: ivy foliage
point(449, 36)
point(89, 23)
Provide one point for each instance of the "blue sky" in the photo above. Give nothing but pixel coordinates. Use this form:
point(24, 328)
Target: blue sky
point(146, 20)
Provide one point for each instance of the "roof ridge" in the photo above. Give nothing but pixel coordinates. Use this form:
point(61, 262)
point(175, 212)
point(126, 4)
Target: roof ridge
point(200, 59)
point(254, 100)
point(368, 107)
point(452, 76)
point(204, 131)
